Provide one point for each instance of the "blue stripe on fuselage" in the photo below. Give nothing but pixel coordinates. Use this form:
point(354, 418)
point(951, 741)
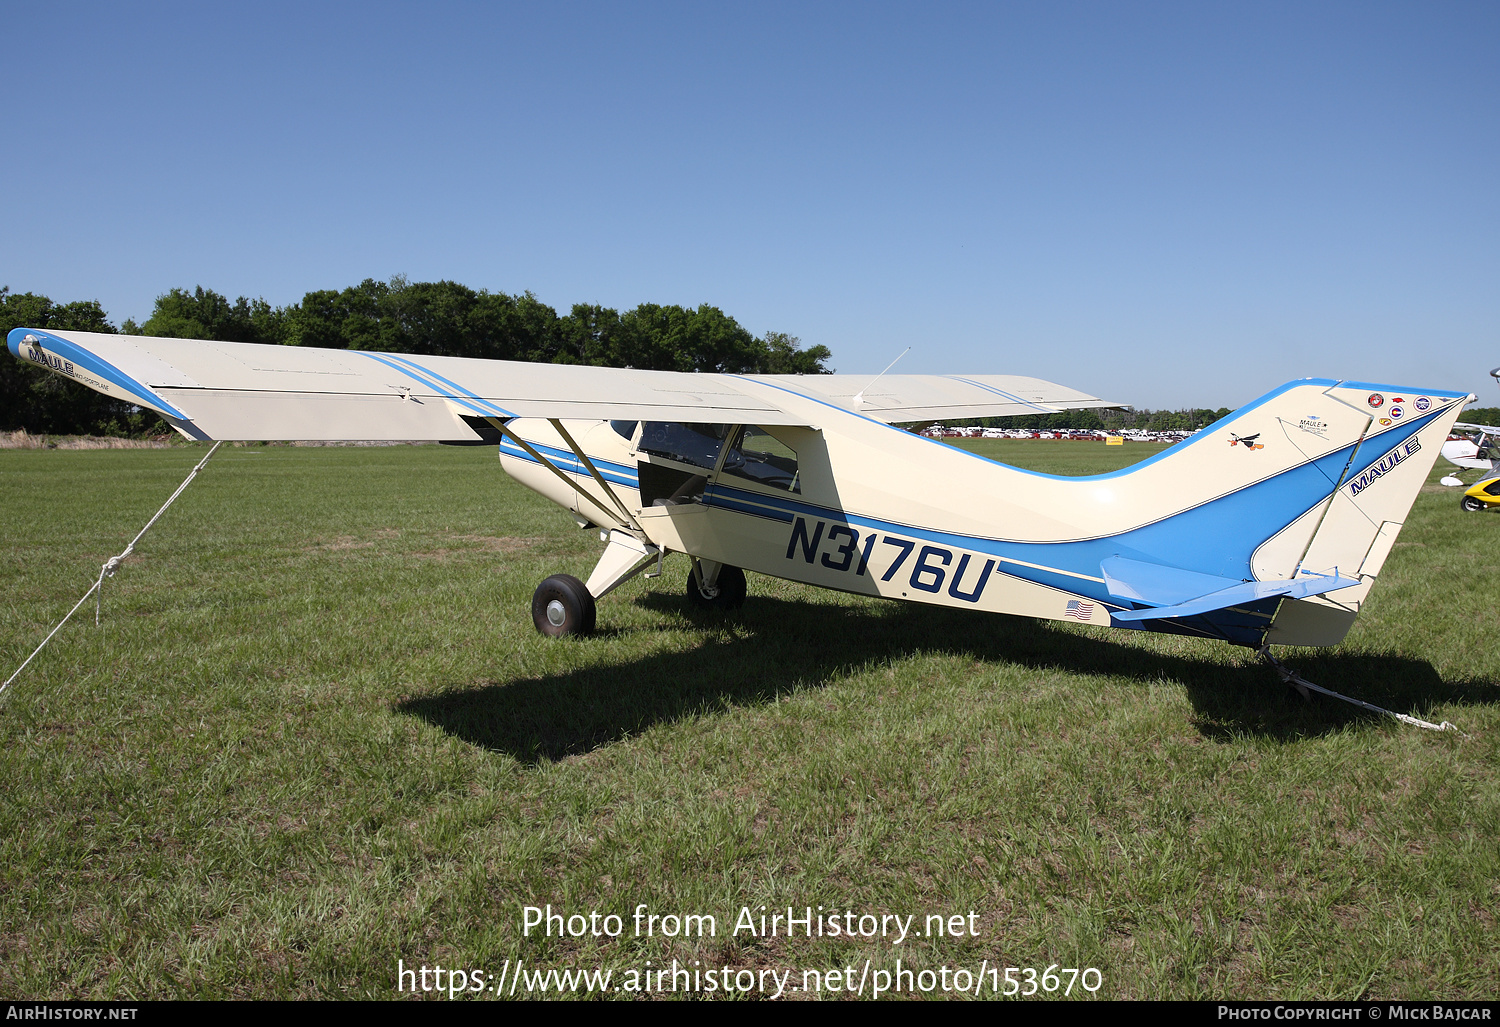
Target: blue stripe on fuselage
point(617, 474)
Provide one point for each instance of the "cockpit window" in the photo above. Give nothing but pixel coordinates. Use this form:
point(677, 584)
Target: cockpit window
point(759, 456)
point(696, 444)
point(624, 429)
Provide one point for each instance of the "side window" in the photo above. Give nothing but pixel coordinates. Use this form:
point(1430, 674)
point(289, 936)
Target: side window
point(757, 455)
point(677, 460)
point(696, 444)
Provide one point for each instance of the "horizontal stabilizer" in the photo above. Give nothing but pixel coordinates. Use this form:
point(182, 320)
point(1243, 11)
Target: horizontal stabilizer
point(1174, 592)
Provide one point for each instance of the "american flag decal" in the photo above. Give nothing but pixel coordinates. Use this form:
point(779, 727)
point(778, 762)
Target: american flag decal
point(1079, 610)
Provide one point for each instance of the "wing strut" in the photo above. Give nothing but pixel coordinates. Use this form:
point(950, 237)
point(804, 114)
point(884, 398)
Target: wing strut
point(504, 430)
point(594, 471)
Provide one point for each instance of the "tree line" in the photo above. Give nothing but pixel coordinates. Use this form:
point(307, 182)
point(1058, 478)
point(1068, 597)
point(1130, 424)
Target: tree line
point(430, 318)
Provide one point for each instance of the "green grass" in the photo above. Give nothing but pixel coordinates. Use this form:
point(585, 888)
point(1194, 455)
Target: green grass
point(316, 733)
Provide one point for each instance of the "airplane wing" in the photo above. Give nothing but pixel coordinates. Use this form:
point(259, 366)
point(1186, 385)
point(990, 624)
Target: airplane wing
point(939, 397)
point(243, 391)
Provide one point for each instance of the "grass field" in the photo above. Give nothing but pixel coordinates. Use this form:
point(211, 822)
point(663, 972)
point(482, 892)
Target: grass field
point(316, 734)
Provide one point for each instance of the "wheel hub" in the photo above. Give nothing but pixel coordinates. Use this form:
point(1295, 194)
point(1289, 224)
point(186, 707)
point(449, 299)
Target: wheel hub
point(556, 613)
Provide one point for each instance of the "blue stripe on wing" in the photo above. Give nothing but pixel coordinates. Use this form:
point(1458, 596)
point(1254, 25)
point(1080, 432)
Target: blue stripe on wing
point(437, 383)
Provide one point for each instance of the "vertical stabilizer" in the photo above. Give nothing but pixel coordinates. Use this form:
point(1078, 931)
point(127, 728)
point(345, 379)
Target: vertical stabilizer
point(1352, 531)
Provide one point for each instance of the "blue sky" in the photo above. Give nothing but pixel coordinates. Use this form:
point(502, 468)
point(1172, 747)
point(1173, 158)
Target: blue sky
point(1163, 204)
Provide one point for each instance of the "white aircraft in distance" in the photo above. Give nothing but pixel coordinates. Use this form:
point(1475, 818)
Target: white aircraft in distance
point(804, 477)
point(1480, 451)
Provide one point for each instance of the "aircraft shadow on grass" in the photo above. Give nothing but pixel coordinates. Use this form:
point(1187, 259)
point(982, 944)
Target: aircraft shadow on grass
point(775, 647)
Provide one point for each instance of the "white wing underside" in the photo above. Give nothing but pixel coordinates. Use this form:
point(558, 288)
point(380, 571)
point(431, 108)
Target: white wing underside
point(240, 391)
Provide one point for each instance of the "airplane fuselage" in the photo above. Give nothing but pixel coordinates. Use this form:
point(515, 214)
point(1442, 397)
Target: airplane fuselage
point(906, 517)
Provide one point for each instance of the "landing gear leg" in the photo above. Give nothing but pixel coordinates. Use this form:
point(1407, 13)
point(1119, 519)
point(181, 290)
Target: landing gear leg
point(624, 558)
point(716, 586)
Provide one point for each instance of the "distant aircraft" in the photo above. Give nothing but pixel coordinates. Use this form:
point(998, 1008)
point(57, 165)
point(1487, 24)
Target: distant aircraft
point(1484, 494)
point(805, 478)
point(1479, 451)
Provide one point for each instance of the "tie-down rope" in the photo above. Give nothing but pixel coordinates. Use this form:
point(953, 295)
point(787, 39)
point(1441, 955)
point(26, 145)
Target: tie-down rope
point(109, 568)
point(1296, 680)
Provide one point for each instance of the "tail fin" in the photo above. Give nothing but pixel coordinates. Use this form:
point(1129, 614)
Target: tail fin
point(1286, 549)
point(1357, 526)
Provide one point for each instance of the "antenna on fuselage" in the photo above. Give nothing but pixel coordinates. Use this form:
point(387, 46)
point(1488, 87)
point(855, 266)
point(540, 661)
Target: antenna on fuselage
point(859, 398)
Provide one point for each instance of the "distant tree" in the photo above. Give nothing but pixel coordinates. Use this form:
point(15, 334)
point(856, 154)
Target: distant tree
point(431, 318)
point(362, 307)
point(587, 335)
point(450, 319)
point(783, 355)
point(204, 314)
point(673, 338)
point(529, 329)
point(317, 321)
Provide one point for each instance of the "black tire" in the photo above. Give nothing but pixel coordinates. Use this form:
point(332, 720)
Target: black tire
point(728, 592)
point(562, 606)
point(1471, 504)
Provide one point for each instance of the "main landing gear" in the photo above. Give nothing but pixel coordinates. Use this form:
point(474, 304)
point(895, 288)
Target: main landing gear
point(716, 586)
point(563, 605)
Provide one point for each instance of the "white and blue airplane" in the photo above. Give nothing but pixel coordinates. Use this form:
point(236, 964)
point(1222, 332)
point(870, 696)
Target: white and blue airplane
point(1269, 527)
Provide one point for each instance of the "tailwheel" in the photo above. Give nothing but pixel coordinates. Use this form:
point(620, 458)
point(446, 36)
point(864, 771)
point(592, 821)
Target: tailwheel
point(722, 591)
point(562, 606)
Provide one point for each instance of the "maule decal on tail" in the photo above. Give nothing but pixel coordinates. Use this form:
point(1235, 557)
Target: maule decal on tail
point(807, 478)
point(1384, 464)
